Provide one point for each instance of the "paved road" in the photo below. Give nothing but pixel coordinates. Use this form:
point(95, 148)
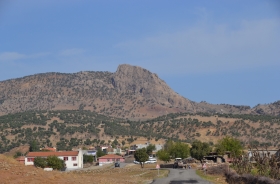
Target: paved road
point(122, 165)
point(181, 176)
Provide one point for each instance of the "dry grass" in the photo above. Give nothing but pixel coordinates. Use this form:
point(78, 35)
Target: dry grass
point(216, 179)
point(13, 172)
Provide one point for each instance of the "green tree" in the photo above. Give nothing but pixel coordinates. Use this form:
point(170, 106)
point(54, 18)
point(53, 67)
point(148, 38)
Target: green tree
point(87, 158)
point(150, 148)
point(40, 162)
point(200, 149)
point(179, 150)
point(141, 156)
point(34, 146)
point(163, 155)
point(168, 145)
point(18, 154)
point(229, 144)
point(55, 163)
point(100, 153)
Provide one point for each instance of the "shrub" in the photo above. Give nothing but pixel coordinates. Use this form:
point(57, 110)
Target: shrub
point(55, 163)
point(87, 158)
point(40, 162)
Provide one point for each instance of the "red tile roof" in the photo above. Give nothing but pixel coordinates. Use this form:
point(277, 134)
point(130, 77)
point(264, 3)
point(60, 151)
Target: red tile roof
point(46, 154)
point(110, 156)
point(20, 158)
point(49, 149)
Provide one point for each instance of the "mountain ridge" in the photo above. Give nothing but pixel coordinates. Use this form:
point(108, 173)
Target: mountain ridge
point(131, 92)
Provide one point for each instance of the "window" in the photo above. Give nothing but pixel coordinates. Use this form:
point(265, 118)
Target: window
point(108, 160)
point(75, 164)
point(30, 159)
point(65, 158)
point(113, 160)
point(118, 159)
point(74, 158)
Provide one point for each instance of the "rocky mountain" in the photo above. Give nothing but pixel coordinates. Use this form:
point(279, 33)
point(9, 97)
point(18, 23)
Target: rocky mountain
point(131, 92)
point(272, 109)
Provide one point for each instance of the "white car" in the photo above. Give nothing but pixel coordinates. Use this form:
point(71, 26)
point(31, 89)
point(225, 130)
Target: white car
point(151, 161)
point(136, 162)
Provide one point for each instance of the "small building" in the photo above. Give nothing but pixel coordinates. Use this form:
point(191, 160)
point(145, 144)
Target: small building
point(21, 159)
point(263, 153)
point(73, 159)
point(90, 152)
point(115, 151)
point(103, 148)
point(48, 149)
point(135, 147)
point(216, 158)
point(130, 152)
point(107, 159)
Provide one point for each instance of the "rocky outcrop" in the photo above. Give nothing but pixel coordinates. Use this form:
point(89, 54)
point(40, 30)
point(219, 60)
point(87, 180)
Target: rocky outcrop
point(141, 82)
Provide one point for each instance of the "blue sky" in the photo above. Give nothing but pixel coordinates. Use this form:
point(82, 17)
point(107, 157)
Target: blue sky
point(216, 51)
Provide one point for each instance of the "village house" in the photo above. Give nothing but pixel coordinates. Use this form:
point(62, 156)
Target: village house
point(21, 159)
point(73, 159)
point(135, 147)
point(90, 153)
point(117, 151)
point(107, 159)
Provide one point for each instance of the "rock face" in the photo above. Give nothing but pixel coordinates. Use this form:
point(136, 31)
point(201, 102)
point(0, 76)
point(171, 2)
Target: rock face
point(131, 92)
point(142, 82)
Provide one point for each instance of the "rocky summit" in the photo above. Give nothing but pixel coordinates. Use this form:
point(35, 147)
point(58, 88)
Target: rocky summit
point(131, 92)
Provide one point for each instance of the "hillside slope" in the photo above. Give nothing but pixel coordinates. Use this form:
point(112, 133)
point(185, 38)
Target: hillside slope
point(131, 92)
point(72, 129)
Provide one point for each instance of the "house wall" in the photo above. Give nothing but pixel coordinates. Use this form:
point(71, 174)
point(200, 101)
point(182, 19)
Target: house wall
point(109, 160)
point(70, 163)
point(80, 159)
point(28, 163)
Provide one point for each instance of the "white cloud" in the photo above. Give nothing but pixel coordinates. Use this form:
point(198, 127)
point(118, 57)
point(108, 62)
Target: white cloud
point(11, 56)
point(71, 52)
point(208, 48)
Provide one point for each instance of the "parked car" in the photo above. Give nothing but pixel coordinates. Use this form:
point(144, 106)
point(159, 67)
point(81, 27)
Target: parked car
point(151, 161)
point(136, 162)
point(117, 164)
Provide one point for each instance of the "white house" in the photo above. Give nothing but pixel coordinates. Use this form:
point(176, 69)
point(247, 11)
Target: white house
point(73, 159)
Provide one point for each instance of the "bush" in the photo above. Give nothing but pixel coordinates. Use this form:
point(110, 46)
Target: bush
point(218, 170)
point(55, 163)
point(87, 158)
point(40, 162)
point(233, 178)
point(17, 154)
